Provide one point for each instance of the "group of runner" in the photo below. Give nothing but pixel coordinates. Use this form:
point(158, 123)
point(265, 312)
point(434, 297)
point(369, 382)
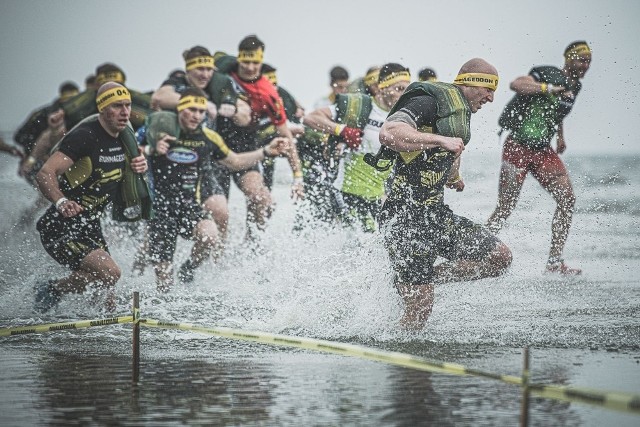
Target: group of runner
point(376, 153)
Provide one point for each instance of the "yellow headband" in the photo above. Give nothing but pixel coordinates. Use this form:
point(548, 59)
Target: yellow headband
point(371, 78)
point(110, 96)
point(190, 101)
point(68, 94)
point(250, 55)
point(199, 61)
point(490, 81)
point(110, 76)
point(430, 79)
point(271, 76)
point(578, 51)
point(402, 76)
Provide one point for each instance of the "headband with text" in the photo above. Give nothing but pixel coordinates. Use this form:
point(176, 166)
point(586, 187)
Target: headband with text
point(199, 61)
point(190, 101)
point(489, 81)
point(393, 78)
point(110, 96)
point(250, 55)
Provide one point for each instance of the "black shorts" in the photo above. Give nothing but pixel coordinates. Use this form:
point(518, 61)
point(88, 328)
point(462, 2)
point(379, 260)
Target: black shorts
point(172, 219)
point(223, 176)
point(210, 185)
point(70, 240)
point(416, 236)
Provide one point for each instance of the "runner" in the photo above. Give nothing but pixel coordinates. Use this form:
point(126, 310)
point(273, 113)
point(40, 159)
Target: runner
point(428, 129)
point(339, 82)
point(36, 138)
point(179, 163)
point(543, 99)
point(81, 179)
point(427, 75)
point(354, 122)
point(264, 101)
point(267, 130)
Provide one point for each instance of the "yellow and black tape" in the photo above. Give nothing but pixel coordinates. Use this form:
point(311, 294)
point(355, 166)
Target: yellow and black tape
point(619, 401)
point(51, 327)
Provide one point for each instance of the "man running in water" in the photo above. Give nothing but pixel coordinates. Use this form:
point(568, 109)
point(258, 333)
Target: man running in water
point(532, 118)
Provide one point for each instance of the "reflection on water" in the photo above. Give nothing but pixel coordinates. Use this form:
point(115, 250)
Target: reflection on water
point(269, 387)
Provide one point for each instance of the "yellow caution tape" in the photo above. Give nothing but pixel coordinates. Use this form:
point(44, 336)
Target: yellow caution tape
point(612, 400)
point(23, 330)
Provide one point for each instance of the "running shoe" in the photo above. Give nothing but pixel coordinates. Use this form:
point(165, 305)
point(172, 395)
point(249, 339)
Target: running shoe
point(47, 296)
point(561, 268)
point(186, 273)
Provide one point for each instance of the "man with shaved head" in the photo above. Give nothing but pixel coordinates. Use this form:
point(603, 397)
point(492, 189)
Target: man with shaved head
point(425, 133)
point(81, 178)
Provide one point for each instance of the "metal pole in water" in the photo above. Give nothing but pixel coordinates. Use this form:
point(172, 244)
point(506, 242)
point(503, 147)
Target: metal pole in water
point(524, 405)
point(136, 338)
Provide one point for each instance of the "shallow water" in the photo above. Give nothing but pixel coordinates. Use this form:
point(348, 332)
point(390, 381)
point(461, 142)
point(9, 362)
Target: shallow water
point(335, 284)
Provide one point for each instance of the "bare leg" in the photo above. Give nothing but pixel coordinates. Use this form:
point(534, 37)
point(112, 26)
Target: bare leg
point(418, 304)
point(164, 275)
point(258, 199)
point(206, 235)
point(511, 180)
point(561, 189)
point(493, 265)
point(218, 206)
point(98, 267)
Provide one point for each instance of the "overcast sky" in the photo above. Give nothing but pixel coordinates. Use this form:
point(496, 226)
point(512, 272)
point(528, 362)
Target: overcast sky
point(43, 43)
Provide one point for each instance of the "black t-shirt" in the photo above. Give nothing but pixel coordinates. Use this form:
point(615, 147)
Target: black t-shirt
point(99, 161)
point(179, 173)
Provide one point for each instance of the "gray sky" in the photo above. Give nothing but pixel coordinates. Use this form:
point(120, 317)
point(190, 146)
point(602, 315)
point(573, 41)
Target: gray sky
point(44, 43)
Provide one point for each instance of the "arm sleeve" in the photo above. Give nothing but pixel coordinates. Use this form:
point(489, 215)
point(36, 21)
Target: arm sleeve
point(422, 109)
point(76, 145)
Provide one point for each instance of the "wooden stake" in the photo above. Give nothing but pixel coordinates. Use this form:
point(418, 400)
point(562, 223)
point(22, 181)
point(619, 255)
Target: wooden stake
point(136, 338)
point(524, 405)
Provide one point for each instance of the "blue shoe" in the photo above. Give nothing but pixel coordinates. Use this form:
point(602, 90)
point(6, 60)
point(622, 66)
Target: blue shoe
point(47, 296)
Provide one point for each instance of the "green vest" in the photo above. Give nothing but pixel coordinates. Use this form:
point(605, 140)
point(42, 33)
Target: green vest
point(421, 176)
point(453, 111)
point(453, 119)
point(352, 109)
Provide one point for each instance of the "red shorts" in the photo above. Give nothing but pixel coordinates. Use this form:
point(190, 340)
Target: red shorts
point(544, 164)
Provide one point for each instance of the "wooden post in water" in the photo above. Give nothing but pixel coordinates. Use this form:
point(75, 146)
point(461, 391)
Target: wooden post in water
point(524, 405)
point(136, 338)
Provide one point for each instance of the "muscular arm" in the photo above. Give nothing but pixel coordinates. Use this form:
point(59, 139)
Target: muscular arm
point(47, 177)
point(241, 161)
point(401, 136)
point(321, 120)
point(165, 98)
point(292, 153)
point(527, 85)
point(400, 131)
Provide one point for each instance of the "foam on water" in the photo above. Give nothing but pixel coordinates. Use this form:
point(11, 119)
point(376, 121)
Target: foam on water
point(335, 283)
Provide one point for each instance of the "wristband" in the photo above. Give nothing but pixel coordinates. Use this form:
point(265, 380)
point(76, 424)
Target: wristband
point(457, 178)
point(297, 174)
point(265, 153)
point(60, 202)
point(31, 160)
point(338, 129)
point(543, 87)
point(549, 88)
point(147, 150)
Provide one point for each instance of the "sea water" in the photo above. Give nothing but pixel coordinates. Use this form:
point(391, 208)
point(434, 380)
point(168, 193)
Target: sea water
point(335, 284)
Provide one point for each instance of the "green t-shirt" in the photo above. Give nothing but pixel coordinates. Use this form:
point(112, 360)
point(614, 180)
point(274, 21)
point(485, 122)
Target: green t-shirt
point(533, 119)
